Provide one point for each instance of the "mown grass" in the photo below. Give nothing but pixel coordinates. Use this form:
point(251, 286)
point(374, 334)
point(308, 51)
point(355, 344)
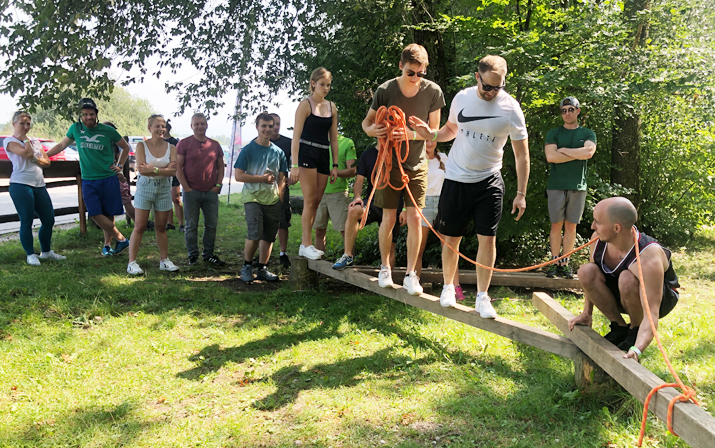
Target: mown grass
point(90, 357)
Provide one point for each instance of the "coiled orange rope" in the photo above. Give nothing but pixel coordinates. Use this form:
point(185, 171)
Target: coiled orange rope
point(688, 392)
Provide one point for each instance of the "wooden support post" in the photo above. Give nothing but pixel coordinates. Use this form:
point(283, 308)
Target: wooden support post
point(589, 377)
point(691, 422)
point(301, 277)
point(82, 208)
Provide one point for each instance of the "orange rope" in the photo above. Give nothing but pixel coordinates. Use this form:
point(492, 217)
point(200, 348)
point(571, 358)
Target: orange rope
point(689, 393)
point(393, 118)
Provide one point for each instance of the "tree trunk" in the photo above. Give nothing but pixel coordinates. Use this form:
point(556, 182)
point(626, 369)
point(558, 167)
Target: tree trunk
point(424, 12)
point(626, 152)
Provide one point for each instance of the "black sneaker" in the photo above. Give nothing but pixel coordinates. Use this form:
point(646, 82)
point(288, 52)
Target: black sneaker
point(193, 260)
point(630, 340)
point(566, 272)
point(285, 261)
point(214, 260)
point(150, 225)
point(182, 228)
point(553, 271)
point(170, 227)
point(617, 334)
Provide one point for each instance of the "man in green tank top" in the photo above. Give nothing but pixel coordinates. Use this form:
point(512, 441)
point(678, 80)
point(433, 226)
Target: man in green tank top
point(568, 149)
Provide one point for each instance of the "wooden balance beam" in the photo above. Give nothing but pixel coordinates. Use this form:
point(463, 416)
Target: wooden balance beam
point(690, 421)
point(515, 331)
point(519, 279)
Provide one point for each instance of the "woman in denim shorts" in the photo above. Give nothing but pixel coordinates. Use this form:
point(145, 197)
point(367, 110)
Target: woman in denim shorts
point(156, 165)
point(435, 179)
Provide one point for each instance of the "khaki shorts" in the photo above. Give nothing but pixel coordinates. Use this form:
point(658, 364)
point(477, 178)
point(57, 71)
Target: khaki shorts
point(566, 205)
point(388, 198)
point(335, 207)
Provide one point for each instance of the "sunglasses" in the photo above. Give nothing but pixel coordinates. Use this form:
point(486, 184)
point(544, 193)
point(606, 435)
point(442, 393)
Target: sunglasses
point(156, 116)
point(419, 74)
point(569, 110)
point(487, 88)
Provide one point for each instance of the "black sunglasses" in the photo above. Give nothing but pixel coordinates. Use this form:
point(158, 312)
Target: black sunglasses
point(487, 88)
point(570, 110)
point(419, 74)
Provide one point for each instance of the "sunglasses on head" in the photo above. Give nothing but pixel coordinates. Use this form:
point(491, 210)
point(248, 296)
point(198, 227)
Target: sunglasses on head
point(569, 110)
point(419, 74)
point(156, 116)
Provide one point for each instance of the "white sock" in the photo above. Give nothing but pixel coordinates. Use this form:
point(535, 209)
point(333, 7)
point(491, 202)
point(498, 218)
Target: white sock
point(283, 253)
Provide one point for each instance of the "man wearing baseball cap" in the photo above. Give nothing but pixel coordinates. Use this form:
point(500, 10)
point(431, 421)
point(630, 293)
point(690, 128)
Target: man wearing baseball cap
point(568, 149)
point(100, 185)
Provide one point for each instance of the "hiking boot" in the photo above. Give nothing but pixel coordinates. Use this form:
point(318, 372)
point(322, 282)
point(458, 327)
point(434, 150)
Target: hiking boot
point(447, 298)
point(553, 271)
point(566, 272)
point(32, 260)
point(484, 307)
point(134, 269)
point(310, 252)
point(214, 260)
point(384, 278)
point(193, 260)
point(630, 339)
point(265, 274)
point(617, 334)
point(51, 255)
point(167, 265)
point(107, 251)
point(411, 283)
point(459, 293)
point(120, 246)
point(247, 273)
point(285, 261)
point(343, 262)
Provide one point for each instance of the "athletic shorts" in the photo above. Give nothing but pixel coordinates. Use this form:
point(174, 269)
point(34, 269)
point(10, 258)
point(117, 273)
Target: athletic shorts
point(153, 193)
point(314, 158)
point(335, 207)
point(102, 196)
point(262, 221)
point(375, 215)
point(461, 202)
point(125, 192)
point(566, 205)
point(388, 198)
point(286, 210)
point(670, 296)
point(175, 182)
point(430, 210)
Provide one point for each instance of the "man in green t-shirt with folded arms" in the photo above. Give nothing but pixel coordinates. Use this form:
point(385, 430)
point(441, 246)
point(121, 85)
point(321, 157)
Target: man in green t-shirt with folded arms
point(568, 149)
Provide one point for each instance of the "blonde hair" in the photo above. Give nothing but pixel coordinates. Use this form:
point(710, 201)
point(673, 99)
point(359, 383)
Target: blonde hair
point(153, 117)
point(318, 74)
point(441, 163)
point(491, 63)
point(19, 114)
point(414, 54)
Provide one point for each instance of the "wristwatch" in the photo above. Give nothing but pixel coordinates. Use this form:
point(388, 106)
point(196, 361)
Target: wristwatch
point(335, 165)
point(119, 165)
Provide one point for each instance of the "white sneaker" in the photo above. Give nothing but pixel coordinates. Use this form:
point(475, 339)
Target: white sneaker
point(51, 255)
point(134, 269)
point(384, 278)
point(484, 307)
point(412, 284)
point(167, 265)
point(310, 252)
point(448, 297)
point(32, 260)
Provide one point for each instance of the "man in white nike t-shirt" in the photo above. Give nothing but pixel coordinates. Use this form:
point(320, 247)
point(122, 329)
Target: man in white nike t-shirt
point(480, 120)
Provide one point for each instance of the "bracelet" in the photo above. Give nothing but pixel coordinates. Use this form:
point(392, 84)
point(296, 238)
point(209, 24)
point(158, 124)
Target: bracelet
point(519, 192)
point(218, 185)
point(294, 166)
point(156, 170)
point(335, 165)
point(636, 351)
point(435, 136)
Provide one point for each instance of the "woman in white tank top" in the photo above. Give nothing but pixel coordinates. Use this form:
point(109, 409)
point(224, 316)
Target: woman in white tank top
point(156, 165)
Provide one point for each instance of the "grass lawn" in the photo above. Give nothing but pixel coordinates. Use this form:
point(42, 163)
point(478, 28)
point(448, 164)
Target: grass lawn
point(90, 357)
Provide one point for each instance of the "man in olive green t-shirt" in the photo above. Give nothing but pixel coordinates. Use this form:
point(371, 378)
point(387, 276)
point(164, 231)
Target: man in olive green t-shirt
point(334, 204)
point(568, 149)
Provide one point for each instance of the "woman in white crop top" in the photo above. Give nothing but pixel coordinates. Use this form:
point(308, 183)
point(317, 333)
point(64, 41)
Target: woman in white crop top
point(156, 165)
point(27, 188)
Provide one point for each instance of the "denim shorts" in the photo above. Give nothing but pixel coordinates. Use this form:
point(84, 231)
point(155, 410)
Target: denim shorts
point(430, 210)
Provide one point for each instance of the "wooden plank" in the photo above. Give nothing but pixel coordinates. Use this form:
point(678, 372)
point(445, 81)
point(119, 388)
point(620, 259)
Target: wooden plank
point(57, 169)
point(519, 279)
point(59, 183)
point(690, 421)
point(58, 212)
point(515, 331)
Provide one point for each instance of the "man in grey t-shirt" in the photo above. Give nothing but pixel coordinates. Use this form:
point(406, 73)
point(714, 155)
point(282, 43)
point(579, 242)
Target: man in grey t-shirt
point(416, 97)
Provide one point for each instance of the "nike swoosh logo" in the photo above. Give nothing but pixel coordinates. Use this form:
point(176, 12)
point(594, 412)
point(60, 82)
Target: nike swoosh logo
point(462, 119)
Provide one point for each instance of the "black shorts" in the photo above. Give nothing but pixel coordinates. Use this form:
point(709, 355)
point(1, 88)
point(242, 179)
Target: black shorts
point(374, 214)
point(481, 202)
point(175, 182)
point(670, 297)
point(286, 210)
point(312, 157)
